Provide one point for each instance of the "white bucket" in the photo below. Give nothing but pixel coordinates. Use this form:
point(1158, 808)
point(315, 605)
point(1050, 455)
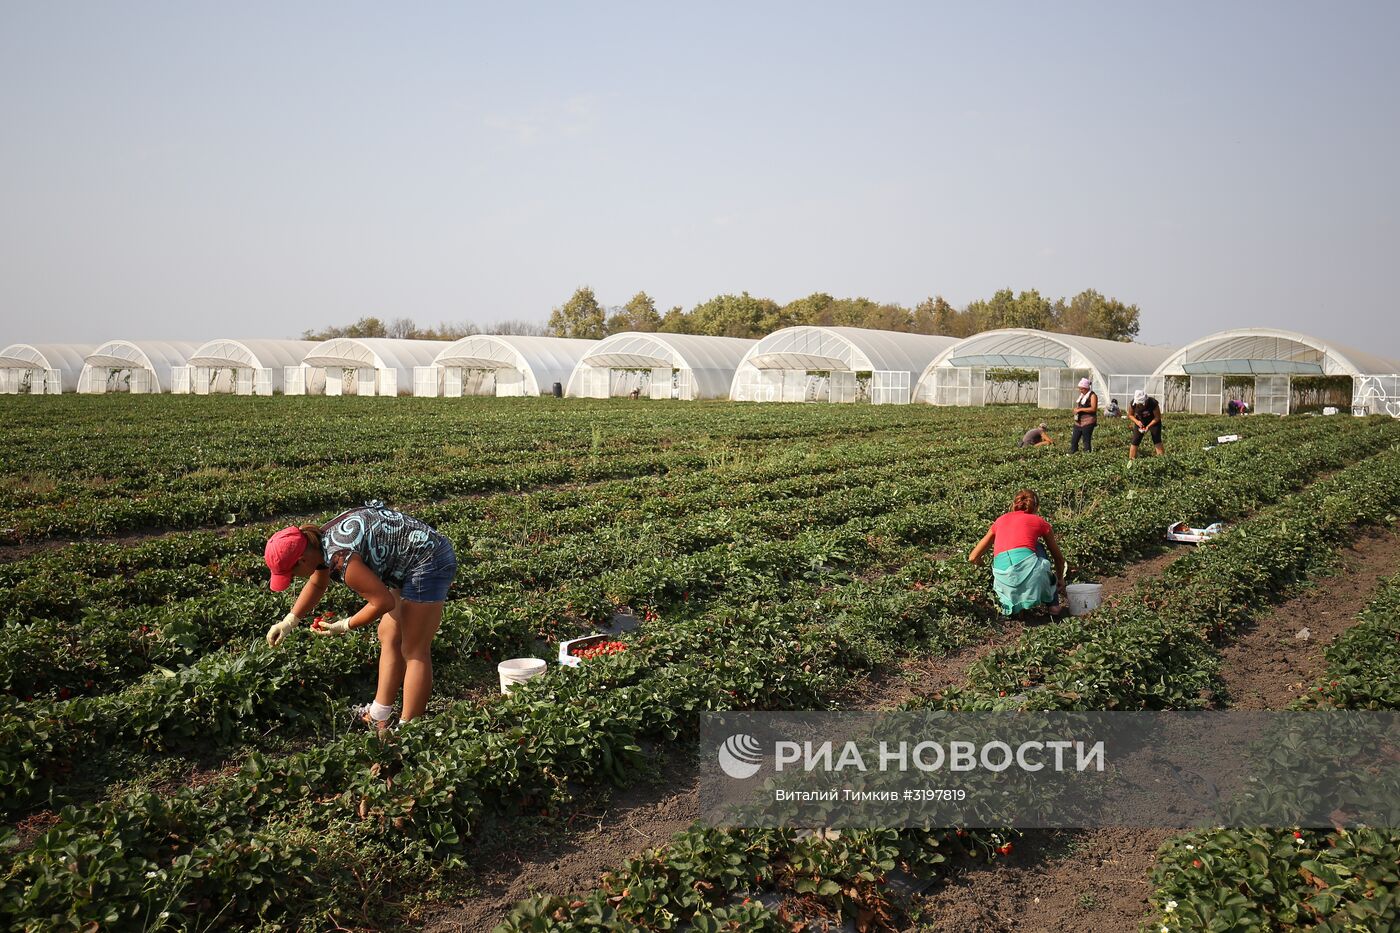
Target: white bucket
point(1084, 598)
point(518, 670)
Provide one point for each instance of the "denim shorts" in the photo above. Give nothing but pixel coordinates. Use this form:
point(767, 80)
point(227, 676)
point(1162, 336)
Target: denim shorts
point(428, 582)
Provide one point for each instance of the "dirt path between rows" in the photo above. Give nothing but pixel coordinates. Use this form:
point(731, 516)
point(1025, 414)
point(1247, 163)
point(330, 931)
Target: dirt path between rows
point(604, 831)
point(611, 827)
point(1269, 665)
point(1068, 882)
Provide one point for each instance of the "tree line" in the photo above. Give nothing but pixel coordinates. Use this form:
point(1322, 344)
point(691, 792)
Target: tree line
point(1088, 314)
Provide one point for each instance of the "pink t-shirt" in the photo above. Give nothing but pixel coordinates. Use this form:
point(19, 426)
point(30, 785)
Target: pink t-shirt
point(1018, 529)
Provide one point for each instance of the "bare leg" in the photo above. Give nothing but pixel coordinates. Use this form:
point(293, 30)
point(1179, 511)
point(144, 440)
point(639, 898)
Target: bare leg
point(1132, 451)
point(391, 659)
point(419, 623)
point(1158, 450)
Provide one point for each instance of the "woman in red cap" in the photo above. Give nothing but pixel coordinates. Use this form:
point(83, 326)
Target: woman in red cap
point(400, 565)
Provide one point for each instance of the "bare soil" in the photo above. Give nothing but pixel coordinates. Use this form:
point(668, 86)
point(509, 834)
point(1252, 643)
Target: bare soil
point(1068, 882)
point(1269, 665)
point(602, 833)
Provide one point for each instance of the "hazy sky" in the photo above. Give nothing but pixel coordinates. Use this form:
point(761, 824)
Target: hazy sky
point(255, 169)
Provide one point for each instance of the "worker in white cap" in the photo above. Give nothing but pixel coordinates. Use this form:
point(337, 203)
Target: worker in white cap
point(1146, 415)
point(1086, 416)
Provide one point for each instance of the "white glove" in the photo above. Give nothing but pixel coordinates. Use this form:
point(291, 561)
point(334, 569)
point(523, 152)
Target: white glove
point(338, 627)
point(280, 630)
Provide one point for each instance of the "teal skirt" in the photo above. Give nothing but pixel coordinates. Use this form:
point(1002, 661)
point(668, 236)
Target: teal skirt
point(1024, 579)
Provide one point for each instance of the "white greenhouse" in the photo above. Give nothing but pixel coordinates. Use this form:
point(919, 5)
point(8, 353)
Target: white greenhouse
point(140, 367)
point(361, 366)
point(41, 368)
point(1268, 361)
point(500, 365)
point(979, 370)
point(680, 366)
point(835, 364)
point(240, 367)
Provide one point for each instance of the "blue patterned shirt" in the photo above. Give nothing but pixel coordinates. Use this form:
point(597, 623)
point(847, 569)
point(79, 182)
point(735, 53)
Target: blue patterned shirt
point(389, 542)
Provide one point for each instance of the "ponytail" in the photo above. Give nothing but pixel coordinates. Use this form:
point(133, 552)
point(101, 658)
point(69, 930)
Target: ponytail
point(312, 533)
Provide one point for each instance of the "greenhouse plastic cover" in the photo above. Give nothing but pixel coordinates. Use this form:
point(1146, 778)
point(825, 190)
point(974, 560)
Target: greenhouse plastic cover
point(252, 354)
point(158, 356)
point(710, 360)
point(67, 358)
point(1023, 348)
point(375, 353)
point(542, 361)
point(1268, 350)
point(850, 349)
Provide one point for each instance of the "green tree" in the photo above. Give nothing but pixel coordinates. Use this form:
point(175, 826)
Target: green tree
point(638, 314)
point(1090, 314)
point(735, 316)
point(937, 316)
point(675, 322)
point(581, 316)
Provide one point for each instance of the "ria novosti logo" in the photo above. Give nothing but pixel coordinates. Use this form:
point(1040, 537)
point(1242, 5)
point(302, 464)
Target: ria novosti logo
point(740, 756)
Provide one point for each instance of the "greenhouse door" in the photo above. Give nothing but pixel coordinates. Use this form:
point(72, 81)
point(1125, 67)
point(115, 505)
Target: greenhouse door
point(365, 381)
point(1207, 395)
point(199, 380)
point(843, 386)
point(293, 380)
point(452, 382)
point(1272, 395)
point(660, 382)
point(262, 382)
point(960, 386)
point(335, 380)
point(1059, 388)
point(682, 384)
point(180, 380)
point(142, 382)
point(388, 383)
point(53, 382)
point(243, 381)
point(889, 388)
point(425, 382)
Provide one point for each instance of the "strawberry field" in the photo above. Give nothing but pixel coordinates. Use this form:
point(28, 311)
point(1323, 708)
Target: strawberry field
point(162, 768)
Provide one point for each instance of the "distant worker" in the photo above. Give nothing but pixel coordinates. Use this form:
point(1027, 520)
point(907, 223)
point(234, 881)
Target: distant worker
point(1146, 416)
point(1086, 416)
point(635, 394)
point(1113, 411)
point(1022, 574)
point(401, 566)
point(1037, 437)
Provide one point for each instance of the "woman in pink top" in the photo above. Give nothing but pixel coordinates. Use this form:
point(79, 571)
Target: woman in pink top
point(1022, 574)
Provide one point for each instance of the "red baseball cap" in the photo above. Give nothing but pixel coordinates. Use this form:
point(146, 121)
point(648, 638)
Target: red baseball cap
point(283, 551)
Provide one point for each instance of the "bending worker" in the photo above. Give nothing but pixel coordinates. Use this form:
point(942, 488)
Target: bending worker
point(402, 568)
point(1022, 574)
point(1146, 415)
point(1037, 437)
